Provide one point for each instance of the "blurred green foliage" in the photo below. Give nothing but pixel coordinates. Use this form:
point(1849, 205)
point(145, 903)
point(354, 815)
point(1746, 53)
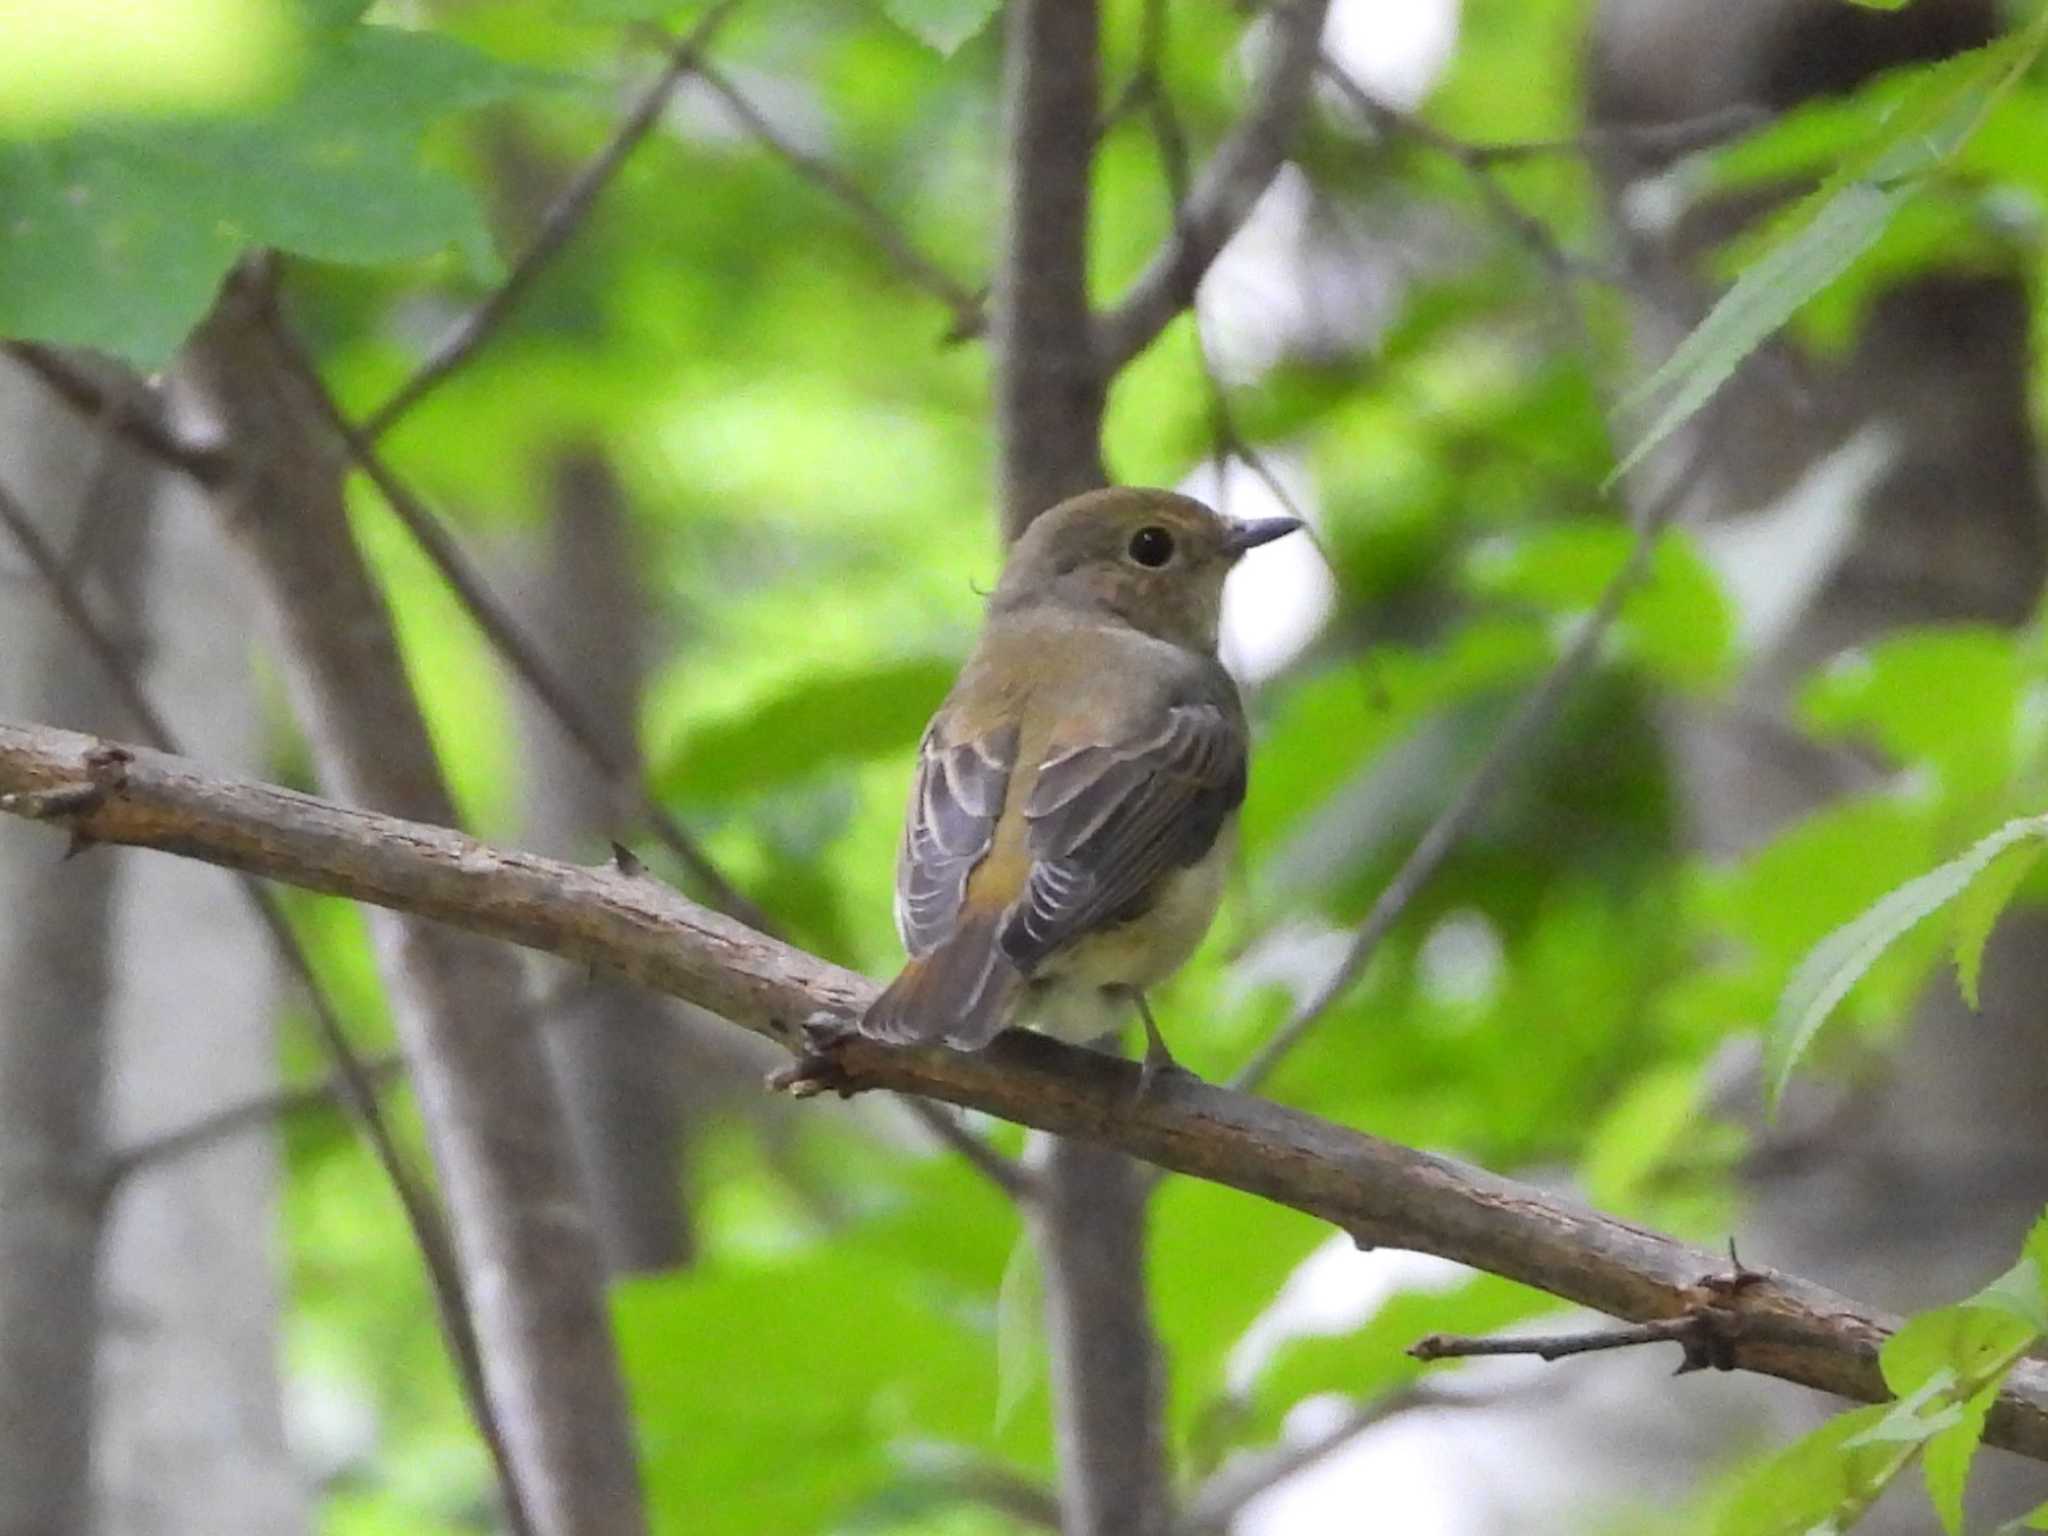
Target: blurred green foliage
point(808, 461)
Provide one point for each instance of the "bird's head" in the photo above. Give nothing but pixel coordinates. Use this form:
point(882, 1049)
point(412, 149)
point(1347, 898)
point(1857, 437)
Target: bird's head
point(1153, 559)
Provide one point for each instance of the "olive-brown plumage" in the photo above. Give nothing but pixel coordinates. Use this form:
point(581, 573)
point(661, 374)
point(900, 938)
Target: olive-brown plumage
point(1076, 794)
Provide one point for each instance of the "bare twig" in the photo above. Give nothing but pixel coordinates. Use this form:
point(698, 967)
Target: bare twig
point(206, 463)
point(504, 632)
point(1509, 750)
point(355, 1081)
point(1222, 1498)
point(1236, 176)
point(1556, 1346)
point(1650, 141)
point(1379, 1192)
point(1529, 230)
point(262, 1111)
point(919, 270)
point(562, 219)
point(1003, 1172)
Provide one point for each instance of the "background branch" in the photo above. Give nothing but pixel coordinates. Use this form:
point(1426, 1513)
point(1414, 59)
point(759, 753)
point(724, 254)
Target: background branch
point(562, 219)
point(355, 1082)
point(1380, 1193)
point(1234, 179)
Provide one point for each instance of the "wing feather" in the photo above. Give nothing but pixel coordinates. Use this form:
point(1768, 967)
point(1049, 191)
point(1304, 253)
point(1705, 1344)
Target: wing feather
point(1107, 822)
point(955, 801)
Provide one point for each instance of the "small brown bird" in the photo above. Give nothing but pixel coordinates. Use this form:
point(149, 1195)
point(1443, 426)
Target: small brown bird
point(1076, 795)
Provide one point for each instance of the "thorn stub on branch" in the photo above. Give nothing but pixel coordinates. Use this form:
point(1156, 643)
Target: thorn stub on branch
point(54, 804)
point(626, 861)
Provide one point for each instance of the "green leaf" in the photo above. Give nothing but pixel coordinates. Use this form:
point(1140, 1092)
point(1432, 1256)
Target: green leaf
point(1979, 908)
point(1942, 697)
point(812, 724)
point(1878, 5)
point(1840, 960)
point(1849, 213)
point(1767, 295)
point(1916, 1417)
point(1020, 1329)
point(942, 25)
point(1797, 1491)
point(1949, 1454)
point(121, 233)
point(2035, 1520)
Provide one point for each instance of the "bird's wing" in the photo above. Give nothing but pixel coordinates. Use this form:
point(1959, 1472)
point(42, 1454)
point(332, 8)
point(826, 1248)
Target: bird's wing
point(1108, 820)
point(955, 801)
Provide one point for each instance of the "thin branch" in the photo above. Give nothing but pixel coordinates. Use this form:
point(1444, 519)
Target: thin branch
point(1690, 1331)
point(1223, 1497)
point(260, 1112)
point(1649, 141)
point(917, 269)
point(504, 632)
point(206, 463)
point(1508, 752)
point(561, 221)
point(356, 1086)
point(1379, 1192)
point(1236, 176)
point(1526, 228)
point(997, 1488)
point(1003, 1172)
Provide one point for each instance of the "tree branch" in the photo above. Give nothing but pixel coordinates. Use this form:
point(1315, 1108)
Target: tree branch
point(504, 632)
point(355, 1084)
point(919, 270)
point(1380, 1193)
point(1508, 751)
point(527, 1249)
point(1049, 388)
point(562, 219)
point(1235, 178)
point(261, 1111)
point(1088, 1221)
point(205, 463)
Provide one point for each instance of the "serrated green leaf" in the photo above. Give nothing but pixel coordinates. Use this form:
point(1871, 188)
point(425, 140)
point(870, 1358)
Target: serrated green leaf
point(944, 26)
point(1835, 964)
point(1979, 908)
point(1020, 1329)
point(121, 233)
point(1849, 213)
point(1916, 1417)
point(1797, 1491)
point(843, 718)
point(1950, 1454)
point(1758, 305)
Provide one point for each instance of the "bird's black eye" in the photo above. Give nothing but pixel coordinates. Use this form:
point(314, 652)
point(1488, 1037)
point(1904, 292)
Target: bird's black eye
point(1152, 546)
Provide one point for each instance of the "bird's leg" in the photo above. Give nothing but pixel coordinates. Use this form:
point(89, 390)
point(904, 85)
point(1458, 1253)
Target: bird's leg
point(1158, 1059)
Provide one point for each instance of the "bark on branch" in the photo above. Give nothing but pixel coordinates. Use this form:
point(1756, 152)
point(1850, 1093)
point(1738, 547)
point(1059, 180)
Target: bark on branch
point(1380, 1193)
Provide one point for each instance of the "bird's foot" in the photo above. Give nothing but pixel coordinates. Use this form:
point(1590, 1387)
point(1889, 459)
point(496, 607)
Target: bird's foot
point(816, 1069)
point(1159, 1070)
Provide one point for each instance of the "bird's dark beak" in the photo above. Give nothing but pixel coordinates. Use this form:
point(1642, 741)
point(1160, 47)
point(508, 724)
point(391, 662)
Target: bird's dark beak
point(1260, 530)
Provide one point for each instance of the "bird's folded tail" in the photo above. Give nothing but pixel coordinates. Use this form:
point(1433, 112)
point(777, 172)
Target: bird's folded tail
point(964, 992)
